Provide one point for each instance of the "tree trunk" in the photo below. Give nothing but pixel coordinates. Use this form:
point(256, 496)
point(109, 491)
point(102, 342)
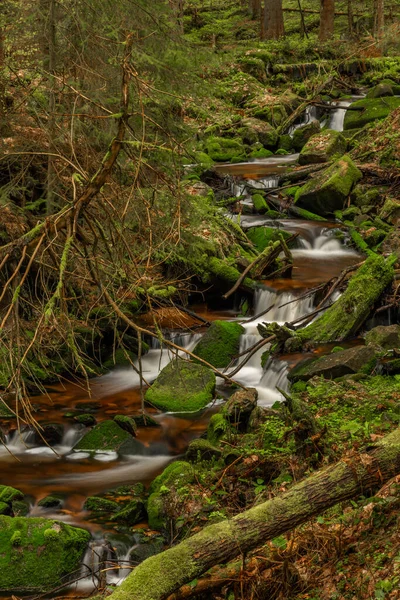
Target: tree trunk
point(2, 84)
point(273, 28)
point(255, 9)
point(161, 575)
point(326, 26)
point(345, 317)
point(379, 18)
point(350, 17)
point(51, 40)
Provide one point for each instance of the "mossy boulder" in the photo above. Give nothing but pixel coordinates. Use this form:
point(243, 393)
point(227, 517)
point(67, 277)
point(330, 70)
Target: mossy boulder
point(240, 406)
point(256, 130)
point(302, 134)
point(380, 91)
point(330, 188)
point(218, 427)
point(107, 437)
point(227, 274)
point(86, 419)
point(50, 433)
point(8, 494)
point(275, 114)
point(263, 236)
point(220, 344)
point(365, 195)
point(145, 420)
point(387, 337)
point(126, 423)
point(202, 449)
point(390, 211)
point(96, 504)
point(360, 359)
point(370, 110)
point(134, 512)
point(225, 149)
point(176, 475)
point(182, 387)
point(38, 554)
point(5, 509)
point(50, 502)
point(323, 147)
point(260, 204)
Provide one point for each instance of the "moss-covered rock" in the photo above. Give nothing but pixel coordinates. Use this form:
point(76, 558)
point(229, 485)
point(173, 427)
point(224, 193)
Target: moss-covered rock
point(220, 344)
point(259, 131)
point(302, 134)
point(201, 449)
point(262, 236)
point(330, 188)
point(227, 274)
point(390, 211)
point(225, 149)
point(370, 110)
point(145, 420)
point(260, 204)
point(360, 359)
point(5, 508)
point(182, 387)
point(126, 423)
point(50, 502)
point(8, 494)
point(134, 512)
point(365, 195)
point(176, 475)
point(107, 437)
point(37, 554)
point(239, 407)
point(99, 505)
point(218, 427)
point(323, 147)
point(387, 337)
point(86, 419)
point(380, 91)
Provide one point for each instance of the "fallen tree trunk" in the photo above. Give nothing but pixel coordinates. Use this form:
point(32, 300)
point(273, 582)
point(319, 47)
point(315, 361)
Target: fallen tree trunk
point(159, 576)
point(350, 311)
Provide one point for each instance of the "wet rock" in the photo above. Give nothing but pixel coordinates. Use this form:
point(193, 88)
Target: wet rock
point(5, 509)
point(126, 423)
point(201, 449)
point(86, 419)
point(225, 149)
point(255, 130)
point(8, 494)
point(240, 406)
point(96, 504)
point(37, 554)
point(330, 188)
point(182, 387)
point(20, 508)
point(381, 90)
point(304, 133)
point(323, 147)
point(371, 110)
point(260, 204)
point(132, 513)
point(107, 437)
point(50, 433)
point(145, 550)
point(220, 344)
point(387, 337)
point(360, 359)
point(145, 420)
point(50, 502)
point(218, 427)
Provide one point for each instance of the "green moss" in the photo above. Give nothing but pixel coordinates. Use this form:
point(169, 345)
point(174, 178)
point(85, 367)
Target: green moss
point(106, 437)
point(100, 505)
point(323, 147)
point(221, 270)
point(261, 153)
point(304, 133)
point(8, 494)
point(4, 508)
point(85, 419)
point(120, 358)
point(50, 502)
point(182, 387)
point(372, 110)
point(262, 236)
point(220, 343)
point(126, 423)
point(273, 214)
point(259, 203)
point(218, 427)
point(134, 512)
point(224, 149)
point(176, 475)
point(306, 214)
point(31, 560)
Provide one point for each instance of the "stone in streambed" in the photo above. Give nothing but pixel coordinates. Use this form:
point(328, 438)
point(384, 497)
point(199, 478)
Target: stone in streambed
point(304, 133)
point(107, 437)
point(96, 504)
point(134, 512)
point(8, 494)
point(360, 359)
point(38, 554)
point(323, 147)
point(220, 344)
point(182, 387)
point(387, 337)
point(50, 502)
point(330, 188)
point(126, 423)
point(262, 236)
point(254, 130)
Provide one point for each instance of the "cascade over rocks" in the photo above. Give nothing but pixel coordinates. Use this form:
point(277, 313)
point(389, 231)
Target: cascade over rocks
point(38, 554)
point(360, 359)
point(330, 188)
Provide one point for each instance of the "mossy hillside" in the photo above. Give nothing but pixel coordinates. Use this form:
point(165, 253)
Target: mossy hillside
point(38, 554)
point(323, 147)
point(370, 110)
point(262, 236)
point(182, 387)
point(220, 344)
point(107, 437)
point(347, 314)
point(330, 188)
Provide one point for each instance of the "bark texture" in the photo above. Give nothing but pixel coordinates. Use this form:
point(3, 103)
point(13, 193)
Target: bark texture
point(159, 576)
point(327, 22)
point(273, 20)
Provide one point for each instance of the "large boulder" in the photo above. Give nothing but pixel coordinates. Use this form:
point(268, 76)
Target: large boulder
point(323, 147)
point(360, 359)
point(240, 406)
point(225, 149)
point(370, 110)
point(182, 387)
point(255, 130)
point(390, 211)
point(37, 554)
point(220, 344)
point(304, 133)
point(108, 437)
point(330, 188)
point(380, 91)
point(175, 476)
point(387, 337)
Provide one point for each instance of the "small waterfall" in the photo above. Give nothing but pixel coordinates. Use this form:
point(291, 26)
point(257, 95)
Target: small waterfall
point(310, 114)
point(336, 118)
point(323, 243)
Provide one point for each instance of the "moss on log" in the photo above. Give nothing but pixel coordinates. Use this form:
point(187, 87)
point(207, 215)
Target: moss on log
point(161, 575)
point(347, 314)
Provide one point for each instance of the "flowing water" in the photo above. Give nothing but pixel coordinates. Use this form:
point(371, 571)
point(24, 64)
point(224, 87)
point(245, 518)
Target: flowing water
point(38, 470)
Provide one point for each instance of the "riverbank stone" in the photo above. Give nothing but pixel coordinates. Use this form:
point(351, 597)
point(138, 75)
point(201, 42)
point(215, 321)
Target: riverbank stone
point(255, 130)
point(360, 359)
point(182, 387)
point(323, 147)
point(371, 109)
point(38, 554)
point(176, 475)
point(220, 344)
point(330, 188)
point(107, 437)
point(202, 449)
point(240, 406)
point(387, 337)
point(126, 423)
point(380, 91)
point(302, 134)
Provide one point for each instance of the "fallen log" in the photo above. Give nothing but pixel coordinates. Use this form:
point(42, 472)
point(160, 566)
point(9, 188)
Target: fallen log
point(345, 317)
point(161, 575)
